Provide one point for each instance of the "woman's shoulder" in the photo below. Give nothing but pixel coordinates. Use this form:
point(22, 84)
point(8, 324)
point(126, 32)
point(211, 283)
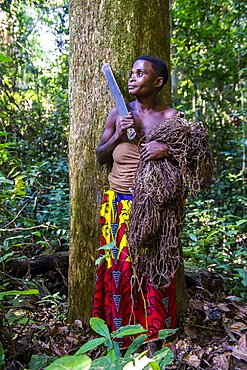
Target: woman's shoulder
point(169, 112)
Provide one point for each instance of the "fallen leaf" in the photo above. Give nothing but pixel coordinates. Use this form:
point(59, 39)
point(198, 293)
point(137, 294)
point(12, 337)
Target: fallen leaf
point(72, 340)
point(182, 345)
point(223, 307)
point(242, 341)
point(189, 332)
point(240, 353)
point(196, 304)
point(221, 362)
point(238, 326)
point(192, 360)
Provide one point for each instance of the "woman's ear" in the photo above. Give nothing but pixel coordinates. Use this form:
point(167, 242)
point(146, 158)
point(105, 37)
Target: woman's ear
point(159, 81)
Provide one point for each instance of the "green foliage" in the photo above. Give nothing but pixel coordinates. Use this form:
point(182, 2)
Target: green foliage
point(18, 292)
point(72, 363)
point(34, 121)
point(217, 243)
point(113, 360)
point(209, 84)
point(4, 59)
point(34, 194)
point(2, 357)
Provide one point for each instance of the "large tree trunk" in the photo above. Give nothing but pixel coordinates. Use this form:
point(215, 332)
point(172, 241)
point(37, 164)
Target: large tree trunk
point(101, 31)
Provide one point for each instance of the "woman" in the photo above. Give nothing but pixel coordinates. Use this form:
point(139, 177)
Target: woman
point(120, 299)
point(168, 158)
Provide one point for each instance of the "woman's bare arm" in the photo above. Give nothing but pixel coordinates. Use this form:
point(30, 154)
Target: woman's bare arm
point(115, 130)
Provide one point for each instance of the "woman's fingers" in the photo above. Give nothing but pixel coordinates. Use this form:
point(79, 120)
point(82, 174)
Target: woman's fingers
point(123, 123)
point(153, 150)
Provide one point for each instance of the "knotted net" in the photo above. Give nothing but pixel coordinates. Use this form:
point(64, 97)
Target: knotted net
point(161, 188)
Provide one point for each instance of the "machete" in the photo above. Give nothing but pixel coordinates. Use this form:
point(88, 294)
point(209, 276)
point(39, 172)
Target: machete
point(118, 97)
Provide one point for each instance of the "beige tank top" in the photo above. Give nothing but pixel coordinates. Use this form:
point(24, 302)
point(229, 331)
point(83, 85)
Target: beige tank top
point(126, 157)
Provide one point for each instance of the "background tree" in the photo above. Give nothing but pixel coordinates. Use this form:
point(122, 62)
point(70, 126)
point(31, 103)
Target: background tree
point(100, 31)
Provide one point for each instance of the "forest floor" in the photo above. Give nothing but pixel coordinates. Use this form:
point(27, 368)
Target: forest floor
point(212, 333)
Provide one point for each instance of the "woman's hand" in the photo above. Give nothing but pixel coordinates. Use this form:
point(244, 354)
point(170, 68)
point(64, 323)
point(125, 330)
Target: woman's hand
point(122, 124)
point(153, 151)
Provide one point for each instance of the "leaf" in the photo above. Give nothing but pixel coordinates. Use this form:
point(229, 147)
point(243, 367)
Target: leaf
point(238, 326)
point(15, 237)
point(100, 259)
point(6, 256)
point(128, 330)
point(25, 320)
point(221, 361)
point(111, 355)
point(192, 360)
point(18, 292)
point(6, 181)
point(2, 357)
point(240, 353)
point(71, 363)
point(193, 237)
point(43, 243)
point(243, 341)
point(4, 145)
point(101, 363)
point(137, 342)
point(109, 344)
point(154, 366)
point(196, 304)
point(99, 326)
point(116, 349)
point(37, 362)
point(165, 354)
point(190, 333)
point(139, 363)
point(162, 334)
point(90, 345)
point(4, 59)
point(240, 222)
point(107, 246)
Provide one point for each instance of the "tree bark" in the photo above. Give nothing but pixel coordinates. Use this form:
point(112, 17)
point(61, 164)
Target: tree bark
point(101, 31)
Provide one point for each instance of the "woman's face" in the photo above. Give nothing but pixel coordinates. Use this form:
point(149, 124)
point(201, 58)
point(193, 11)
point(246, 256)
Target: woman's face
point(143, 78)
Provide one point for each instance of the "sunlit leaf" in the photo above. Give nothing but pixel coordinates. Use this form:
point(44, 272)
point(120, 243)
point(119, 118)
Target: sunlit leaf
point(128, 330)
point(193, 237)
point(4, 59)
point(71, 363)
point(90, 345)
point(137, 342)
point(165, 354)
point(162, 334)
point(99, 326)
point(101, 259)
point(108, 246)
point(19, 292)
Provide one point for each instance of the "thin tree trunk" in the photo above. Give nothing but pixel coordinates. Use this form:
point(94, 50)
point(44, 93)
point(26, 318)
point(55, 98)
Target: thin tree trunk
point(101, 31)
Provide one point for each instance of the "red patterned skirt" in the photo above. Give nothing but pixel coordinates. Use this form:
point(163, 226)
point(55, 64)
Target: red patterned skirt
point(118, 299)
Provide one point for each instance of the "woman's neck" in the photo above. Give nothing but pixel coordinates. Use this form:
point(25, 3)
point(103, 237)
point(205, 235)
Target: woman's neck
point(145, 104)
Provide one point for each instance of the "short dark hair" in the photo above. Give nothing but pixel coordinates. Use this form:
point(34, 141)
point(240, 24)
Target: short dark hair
point(158, 65)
